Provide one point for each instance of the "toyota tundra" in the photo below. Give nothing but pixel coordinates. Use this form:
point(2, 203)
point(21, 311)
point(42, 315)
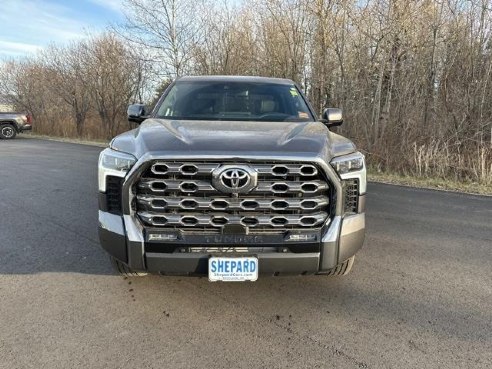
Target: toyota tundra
point(232, 177)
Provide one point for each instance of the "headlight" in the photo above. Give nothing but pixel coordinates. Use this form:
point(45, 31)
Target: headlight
point(348, 163)
point(113, 163)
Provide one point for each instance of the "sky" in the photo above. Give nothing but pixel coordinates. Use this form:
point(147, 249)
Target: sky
point(28, 25)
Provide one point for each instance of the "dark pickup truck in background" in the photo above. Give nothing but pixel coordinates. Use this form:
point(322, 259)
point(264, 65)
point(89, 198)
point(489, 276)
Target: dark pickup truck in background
point(13, 123)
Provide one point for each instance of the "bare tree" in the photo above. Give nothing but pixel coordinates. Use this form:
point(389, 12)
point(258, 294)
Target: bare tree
point(170, 28)
point(68, 79)
point(113, 78)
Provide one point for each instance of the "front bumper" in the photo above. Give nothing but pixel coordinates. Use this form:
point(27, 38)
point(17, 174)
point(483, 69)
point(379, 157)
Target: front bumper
point(122, 237)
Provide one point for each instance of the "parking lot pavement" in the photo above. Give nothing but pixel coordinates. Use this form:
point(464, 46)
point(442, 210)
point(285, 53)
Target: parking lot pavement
point(419, 296)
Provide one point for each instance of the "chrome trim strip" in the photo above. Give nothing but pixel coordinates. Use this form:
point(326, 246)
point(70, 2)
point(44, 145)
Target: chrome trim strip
point(155, 202)
point(111, 222)
point(134, 234)
point(218, 220)
point(353, 223)
point(333, 231)
point(351, 236)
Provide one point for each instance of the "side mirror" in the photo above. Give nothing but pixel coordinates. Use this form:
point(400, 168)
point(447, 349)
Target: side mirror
point(137, 113)
point(332, 117)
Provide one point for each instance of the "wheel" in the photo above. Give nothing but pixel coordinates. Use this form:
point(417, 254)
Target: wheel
point(342, 268)
point(7, 131)
point(123, 269)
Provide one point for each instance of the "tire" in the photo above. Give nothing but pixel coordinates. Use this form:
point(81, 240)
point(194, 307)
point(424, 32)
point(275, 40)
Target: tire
point(342, 268)
point(124, 270)
point(7, 131)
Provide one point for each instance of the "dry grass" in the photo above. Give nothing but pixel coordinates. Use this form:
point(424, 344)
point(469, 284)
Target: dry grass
point(432, 183)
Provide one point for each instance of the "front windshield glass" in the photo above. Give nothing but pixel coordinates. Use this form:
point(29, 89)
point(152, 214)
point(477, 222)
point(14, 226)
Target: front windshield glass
point(234, 101)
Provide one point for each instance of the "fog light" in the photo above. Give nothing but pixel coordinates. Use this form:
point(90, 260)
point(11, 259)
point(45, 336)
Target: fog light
point(301, 237)
point(162, 237)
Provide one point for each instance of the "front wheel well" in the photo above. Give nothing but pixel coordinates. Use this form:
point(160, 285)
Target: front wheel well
point(8, 130)
point(9, 122)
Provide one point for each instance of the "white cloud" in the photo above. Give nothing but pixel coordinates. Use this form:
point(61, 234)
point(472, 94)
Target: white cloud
point(114, 5)
point(9, 48)
point(31, 24)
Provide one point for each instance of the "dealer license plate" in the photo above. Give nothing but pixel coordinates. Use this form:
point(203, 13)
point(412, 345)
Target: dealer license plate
point(232, 269)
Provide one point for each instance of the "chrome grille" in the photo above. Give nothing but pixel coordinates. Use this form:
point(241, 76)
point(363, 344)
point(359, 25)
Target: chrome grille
point(180, 195)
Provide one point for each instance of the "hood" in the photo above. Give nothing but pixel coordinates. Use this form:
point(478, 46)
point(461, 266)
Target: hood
point(232, 138)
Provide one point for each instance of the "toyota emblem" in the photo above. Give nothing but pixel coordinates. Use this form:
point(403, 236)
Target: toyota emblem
point(234, 178)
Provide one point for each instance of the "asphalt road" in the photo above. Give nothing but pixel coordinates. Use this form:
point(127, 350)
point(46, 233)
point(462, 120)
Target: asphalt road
point(419, 296)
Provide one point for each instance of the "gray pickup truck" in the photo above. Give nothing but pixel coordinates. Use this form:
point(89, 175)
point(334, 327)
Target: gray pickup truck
point(232, 177)
point(13, 123)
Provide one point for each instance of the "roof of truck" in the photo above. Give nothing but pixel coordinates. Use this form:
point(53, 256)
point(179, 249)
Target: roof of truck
point(250, 79)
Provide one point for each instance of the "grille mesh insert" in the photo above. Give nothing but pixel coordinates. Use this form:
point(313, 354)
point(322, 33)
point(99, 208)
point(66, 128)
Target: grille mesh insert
point(351, 195)
point(113, 194)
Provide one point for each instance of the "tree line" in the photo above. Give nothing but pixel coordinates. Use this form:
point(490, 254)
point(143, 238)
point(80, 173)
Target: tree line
point(413, 77)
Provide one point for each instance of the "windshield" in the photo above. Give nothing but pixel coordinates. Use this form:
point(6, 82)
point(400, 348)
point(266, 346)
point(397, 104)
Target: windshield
point(234, 101)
